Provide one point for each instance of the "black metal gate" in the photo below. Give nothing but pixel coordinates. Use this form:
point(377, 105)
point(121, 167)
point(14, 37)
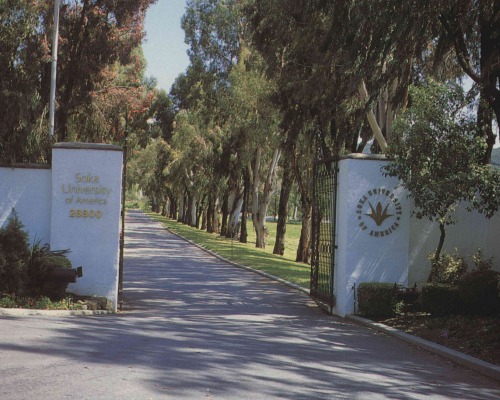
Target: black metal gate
point(324, 232)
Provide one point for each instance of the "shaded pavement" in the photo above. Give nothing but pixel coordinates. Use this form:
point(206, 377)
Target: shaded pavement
point(194, 327)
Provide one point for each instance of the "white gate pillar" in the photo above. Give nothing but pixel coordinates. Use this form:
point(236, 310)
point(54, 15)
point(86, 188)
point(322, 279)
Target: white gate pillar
point(372, 229)
point(85, 216)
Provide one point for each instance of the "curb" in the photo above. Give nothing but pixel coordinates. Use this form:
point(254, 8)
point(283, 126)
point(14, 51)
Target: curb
point(28, 312)
point(475, 364)
point(483, 367)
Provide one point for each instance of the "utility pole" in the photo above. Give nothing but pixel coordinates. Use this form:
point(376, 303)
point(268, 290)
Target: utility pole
point(55, 40)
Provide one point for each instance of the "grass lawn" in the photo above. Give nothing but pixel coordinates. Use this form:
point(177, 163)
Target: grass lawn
point(246, 253)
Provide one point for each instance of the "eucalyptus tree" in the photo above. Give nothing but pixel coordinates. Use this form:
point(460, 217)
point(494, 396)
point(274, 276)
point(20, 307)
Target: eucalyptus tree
point(187, 170)
point(302, 161)
point(470, 30)
point(255, 119)
point(99, 47)
point(118, 107)
point(361, 55)
point(163, 113)
point(97, 35)
point(213, 30)
point(145, 171)
point(22, 108)
point(334, 60)
point(217, 33)
point(286, 188)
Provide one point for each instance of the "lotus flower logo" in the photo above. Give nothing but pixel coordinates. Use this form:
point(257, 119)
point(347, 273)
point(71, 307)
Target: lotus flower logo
point(382, 219)
point(377, 214)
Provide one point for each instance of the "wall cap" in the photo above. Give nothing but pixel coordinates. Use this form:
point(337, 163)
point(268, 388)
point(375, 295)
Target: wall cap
point(25, 166)
point(362, 156)
point(86, 146)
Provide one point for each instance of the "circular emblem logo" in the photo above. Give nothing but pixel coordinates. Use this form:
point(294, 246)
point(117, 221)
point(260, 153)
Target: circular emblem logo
point(379, 212)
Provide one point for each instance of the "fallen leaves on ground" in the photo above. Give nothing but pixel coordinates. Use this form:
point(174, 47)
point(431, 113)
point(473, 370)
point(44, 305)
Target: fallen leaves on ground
point(477, 336)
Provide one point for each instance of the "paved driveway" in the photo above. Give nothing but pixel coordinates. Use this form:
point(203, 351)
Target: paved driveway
point(197, 328)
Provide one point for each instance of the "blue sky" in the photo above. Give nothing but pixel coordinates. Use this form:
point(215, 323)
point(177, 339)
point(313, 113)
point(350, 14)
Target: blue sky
point(164, 47)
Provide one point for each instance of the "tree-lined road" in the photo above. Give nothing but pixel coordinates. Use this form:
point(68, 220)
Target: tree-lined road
point(197, 328)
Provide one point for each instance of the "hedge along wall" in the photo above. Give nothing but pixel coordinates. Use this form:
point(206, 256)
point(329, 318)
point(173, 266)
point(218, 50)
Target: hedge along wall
point(74, 205)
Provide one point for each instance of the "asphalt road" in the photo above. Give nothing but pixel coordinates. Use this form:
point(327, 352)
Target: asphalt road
point(194, 327)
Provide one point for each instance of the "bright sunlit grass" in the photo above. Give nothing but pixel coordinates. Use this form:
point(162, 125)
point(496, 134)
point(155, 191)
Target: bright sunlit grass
point(246, 253)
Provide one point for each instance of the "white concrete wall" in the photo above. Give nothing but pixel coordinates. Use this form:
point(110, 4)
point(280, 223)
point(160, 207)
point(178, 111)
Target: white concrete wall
point(368, 252)
point(471, 232)
point(28, 190)
point(85, 218)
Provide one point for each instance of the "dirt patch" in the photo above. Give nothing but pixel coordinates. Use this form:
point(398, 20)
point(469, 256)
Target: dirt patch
point(477, 336)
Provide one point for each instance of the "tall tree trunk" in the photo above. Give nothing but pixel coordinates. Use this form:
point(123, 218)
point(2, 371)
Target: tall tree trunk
point(372, 120)
point(485, 122)
point(286, 188)
point(210, 214)
point(302, 165)
point(78, 36)
point(260, 204)
point(234, 214)
point(204, 219)
point(225, 213)
point(437, 255)
point(188, 209)
point(194, 212)
point(216, 216)
point(488, 56)
point(244, 209)
point(173, 207)
point(304, 248)
point(200, 210)
point(180, 217)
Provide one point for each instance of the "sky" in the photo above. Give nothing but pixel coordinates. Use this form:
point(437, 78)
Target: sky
point(164, 46)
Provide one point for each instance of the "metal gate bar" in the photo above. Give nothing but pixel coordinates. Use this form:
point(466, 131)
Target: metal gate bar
point(324, 232)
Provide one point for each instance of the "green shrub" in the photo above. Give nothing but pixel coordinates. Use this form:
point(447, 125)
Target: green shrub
point(408, 300)
point(439, 299)
point(448, 270)
point(377, 300)
point(480, 262)
point(42, 263)
point(8, 302)
point(14, 255)
point(479, 292)
point(25, 271)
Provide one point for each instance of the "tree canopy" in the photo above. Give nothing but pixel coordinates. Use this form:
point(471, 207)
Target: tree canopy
point(438, 157)
point(100, 72)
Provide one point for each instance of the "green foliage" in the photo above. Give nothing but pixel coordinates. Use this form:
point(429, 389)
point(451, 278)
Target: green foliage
point(99, 74)
point(377, 300)
point(25, 271)
point(438, 157)
point(454, 290)
point(448, 270)
point(436, 154)
point(481, 263)
point(439, 299)
point(8, 302)
point(39, 303)
point(479, 291)
point(14, 255)
point(42, 263)
point(408, 300)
